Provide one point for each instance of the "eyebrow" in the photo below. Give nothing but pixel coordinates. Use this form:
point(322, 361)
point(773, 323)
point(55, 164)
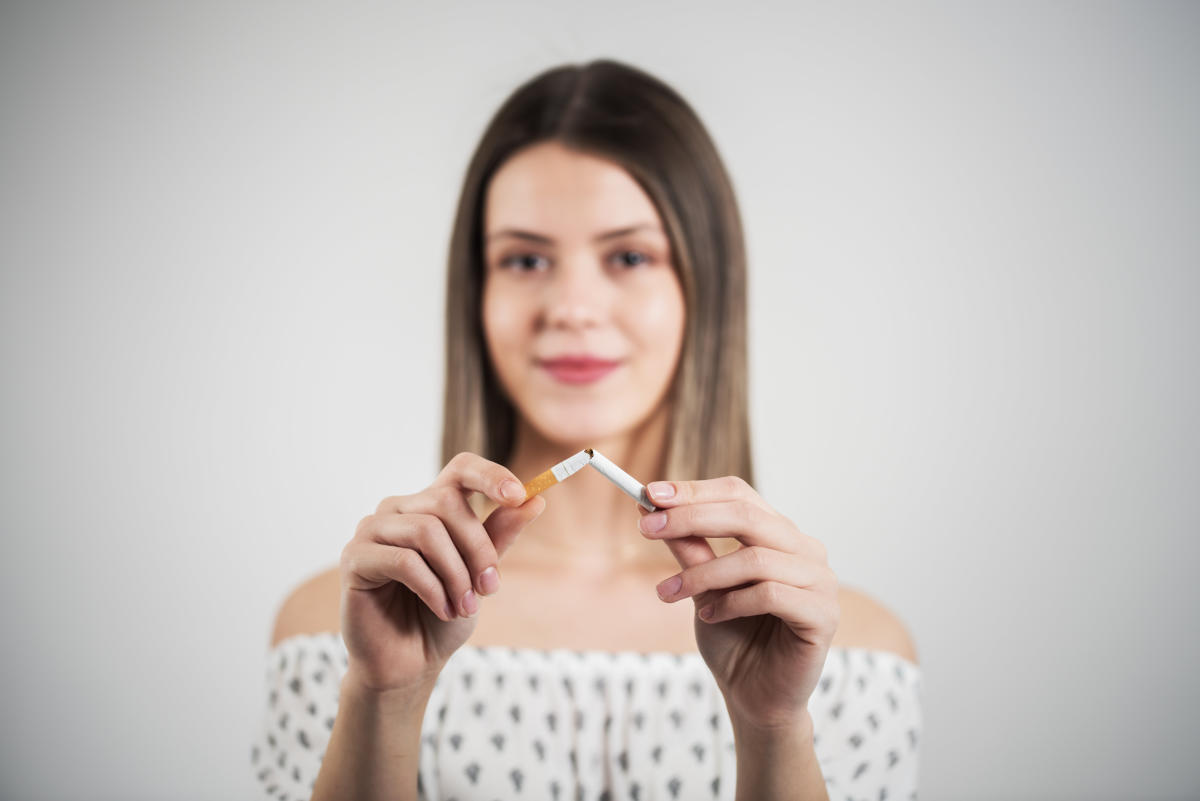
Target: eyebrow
point(545, 240)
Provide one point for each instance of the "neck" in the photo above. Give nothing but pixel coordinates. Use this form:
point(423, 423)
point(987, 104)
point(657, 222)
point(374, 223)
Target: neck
point(589, 525)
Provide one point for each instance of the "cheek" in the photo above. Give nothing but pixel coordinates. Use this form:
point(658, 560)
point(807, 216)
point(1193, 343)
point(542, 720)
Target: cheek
point(502, 318)
point(658, 317)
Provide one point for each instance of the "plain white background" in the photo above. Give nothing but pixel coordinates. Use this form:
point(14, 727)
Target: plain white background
point(974, 274)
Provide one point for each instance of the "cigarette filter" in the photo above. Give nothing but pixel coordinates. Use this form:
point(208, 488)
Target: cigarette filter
point(557, 473)
point(627, 483)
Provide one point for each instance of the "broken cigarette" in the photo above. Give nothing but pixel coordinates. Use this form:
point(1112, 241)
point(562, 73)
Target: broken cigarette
point(558, 473)
point(625, 482)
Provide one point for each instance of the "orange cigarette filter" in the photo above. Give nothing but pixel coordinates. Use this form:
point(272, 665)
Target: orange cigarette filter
point(560, 472)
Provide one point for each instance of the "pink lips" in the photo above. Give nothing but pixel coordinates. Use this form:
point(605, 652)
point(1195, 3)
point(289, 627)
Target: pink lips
point(578, 369)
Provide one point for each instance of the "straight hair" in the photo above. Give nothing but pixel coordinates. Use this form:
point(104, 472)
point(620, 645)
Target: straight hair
point(622, 114)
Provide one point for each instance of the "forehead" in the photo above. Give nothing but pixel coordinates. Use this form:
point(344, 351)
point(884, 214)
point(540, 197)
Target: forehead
point(548, 188)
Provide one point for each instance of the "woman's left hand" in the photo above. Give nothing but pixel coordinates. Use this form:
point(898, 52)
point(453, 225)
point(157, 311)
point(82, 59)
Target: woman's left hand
point(773, 602)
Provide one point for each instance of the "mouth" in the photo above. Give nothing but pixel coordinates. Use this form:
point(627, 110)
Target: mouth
point(578, 369)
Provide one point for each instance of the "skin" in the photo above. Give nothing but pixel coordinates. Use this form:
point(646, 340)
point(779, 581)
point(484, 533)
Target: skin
point(582, 559)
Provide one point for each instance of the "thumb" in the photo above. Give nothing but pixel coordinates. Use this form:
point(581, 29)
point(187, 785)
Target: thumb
point(505, 523)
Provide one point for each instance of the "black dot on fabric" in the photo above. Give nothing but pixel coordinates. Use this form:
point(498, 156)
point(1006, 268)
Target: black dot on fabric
point(695, 688)
point(698, 750)
point(479, 707)
point(303, 738)
point(605, 796)
point(860, 770)
point(472, 772)
point(635, 791)
point(656, 754)
point(856, 740)
point(329, 723)
point(295, 685)
point(498, 741)
point(455, 740)
point(826, 683)
point(517, 777)
point(555, 790)
point(312, 709)
point(551, 721)
point(893, 758)
point(254, 755)
point(674, 786)
point(715, 722)
point(514, 712)
point(716, 786)
point(836, 710)
point(623, 760)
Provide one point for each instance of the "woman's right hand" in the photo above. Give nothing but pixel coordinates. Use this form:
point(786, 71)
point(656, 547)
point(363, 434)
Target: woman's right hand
point(412, 574)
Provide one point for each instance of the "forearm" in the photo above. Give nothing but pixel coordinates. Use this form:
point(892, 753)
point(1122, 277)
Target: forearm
point(375, 746)
point(778, 765)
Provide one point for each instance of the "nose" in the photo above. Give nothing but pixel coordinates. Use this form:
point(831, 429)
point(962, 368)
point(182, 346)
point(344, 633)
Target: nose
point(575, 295)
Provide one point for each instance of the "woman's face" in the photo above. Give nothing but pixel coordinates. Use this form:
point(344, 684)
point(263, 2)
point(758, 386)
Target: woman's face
point(582, 309)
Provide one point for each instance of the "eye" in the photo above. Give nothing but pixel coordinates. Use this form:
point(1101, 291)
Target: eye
point(631, 258)
point(522, 262)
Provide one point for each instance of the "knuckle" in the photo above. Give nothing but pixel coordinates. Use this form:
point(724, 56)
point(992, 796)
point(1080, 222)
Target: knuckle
point(426, 528)
point(735, 485)
point(443, 497)
point(364, 526)
point(769, 592)
point(755, 556)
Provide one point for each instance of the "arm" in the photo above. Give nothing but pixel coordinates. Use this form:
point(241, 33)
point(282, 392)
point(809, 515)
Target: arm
point(778, 765)
point(375, 747)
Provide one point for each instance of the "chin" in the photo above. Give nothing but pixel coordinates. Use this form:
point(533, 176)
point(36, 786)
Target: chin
point(579, 428)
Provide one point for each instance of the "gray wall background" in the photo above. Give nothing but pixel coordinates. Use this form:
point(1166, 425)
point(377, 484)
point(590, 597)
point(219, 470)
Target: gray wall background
point(973, 243)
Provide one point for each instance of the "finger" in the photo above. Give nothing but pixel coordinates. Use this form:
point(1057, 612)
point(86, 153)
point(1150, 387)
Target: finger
point(427, 535)
point(470, 471)
point(665, 494)
point(803, 610)
point(747, 522)
point(505, 523)
point(690, 551)
point(743, 566)
point(466, 531)
point(368, 565)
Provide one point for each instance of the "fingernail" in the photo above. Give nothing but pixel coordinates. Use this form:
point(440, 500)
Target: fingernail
point(512, 490)
point(470, 603)
point(489, 581)
point(661, 490)
point(669, 587)
point(450, 613)
point(653, 522)
point(707, 612)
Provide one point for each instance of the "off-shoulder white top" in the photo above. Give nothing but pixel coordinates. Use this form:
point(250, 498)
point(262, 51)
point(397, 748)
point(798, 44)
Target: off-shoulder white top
point(561, 725)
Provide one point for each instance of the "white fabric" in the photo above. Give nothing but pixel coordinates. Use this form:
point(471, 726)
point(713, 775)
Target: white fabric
point(562, 725)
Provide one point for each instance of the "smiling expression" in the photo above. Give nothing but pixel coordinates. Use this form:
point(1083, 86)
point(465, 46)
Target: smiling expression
point(583, 312)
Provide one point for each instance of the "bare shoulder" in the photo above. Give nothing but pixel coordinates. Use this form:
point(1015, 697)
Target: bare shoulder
point(310, 608)
point(867, 623)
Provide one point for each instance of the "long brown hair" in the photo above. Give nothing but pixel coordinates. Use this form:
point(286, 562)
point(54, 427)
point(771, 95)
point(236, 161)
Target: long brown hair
point(617, 112)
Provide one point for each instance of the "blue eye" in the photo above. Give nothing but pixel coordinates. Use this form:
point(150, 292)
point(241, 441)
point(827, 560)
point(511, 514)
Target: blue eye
point(639, 258)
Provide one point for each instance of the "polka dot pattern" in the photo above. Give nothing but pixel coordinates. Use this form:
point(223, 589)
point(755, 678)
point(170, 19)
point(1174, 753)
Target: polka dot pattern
point(505, 723)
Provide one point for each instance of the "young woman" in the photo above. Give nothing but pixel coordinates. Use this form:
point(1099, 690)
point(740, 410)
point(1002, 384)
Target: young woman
point(474, 643)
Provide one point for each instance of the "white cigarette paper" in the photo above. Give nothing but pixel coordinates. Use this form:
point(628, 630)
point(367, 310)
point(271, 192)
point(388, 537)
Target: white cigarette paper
point(569, 466)
point(627, 483)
